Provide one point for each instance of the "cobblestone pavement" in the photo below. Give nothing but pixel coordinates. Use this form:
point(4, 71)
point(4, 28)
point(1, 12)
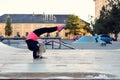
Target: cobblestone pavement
point(18, 63)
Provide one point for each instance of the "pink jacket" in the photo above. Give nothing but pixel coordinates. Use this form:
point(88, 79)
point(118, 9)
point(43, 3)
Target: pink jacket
point(32, 36)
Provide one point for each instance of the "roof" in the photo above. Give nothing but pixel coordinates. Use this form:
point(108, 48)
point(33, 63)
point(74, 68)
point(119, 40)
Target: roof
point(36, 18)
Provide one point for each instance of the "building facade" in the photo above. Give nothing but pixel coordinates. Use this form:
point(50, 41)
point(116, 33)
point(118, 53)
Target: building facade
point(98, 6)
point(22, 24)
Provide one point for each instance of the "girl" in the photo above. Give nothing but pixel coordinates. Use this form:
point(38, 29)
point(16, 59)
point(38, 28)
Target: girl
point(33, 36)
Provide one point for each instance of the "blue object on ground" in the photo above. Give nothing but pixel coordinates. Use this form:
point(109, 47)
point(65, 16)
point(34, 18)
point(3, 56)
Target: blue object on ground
point(1, 38)
point(89, 39)
point(86, 39)
point(106, 38)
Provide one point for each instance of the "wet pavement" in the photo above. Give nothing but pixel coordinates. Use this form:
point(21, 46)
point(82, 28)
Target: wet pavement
point(18, 63)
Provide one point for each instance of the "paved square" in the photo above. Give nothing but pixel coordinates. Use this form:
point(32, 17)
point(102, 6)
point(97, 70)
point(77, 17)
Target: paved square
point(60, 63)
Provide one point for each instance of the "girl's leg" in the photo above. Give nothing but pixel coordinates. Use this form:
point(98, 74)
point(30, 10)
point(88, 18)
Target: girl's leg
point(33, 46)
point(35, 51)
point(40, 31)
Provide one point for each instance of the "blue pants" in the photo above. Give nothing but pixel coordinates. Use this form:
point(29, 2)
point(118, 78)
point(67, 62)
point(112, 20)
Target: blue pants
point(33, 46)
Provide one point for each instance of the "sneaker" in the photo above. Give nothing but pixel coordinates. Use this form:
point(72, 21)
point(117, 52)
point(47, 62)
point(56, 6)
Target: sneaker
point(41, 57)
point(60, 27)
point(36, 57)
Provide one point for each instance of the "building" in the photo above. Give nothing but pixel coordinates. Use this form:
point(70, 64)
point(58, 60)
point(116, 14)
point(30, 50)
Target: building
point(98, 6)
point(24, 23)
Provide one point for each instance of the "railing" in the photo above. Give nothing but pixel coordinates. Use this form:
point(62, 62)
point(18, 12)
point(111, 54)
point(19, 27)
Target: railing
point(53, 41)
